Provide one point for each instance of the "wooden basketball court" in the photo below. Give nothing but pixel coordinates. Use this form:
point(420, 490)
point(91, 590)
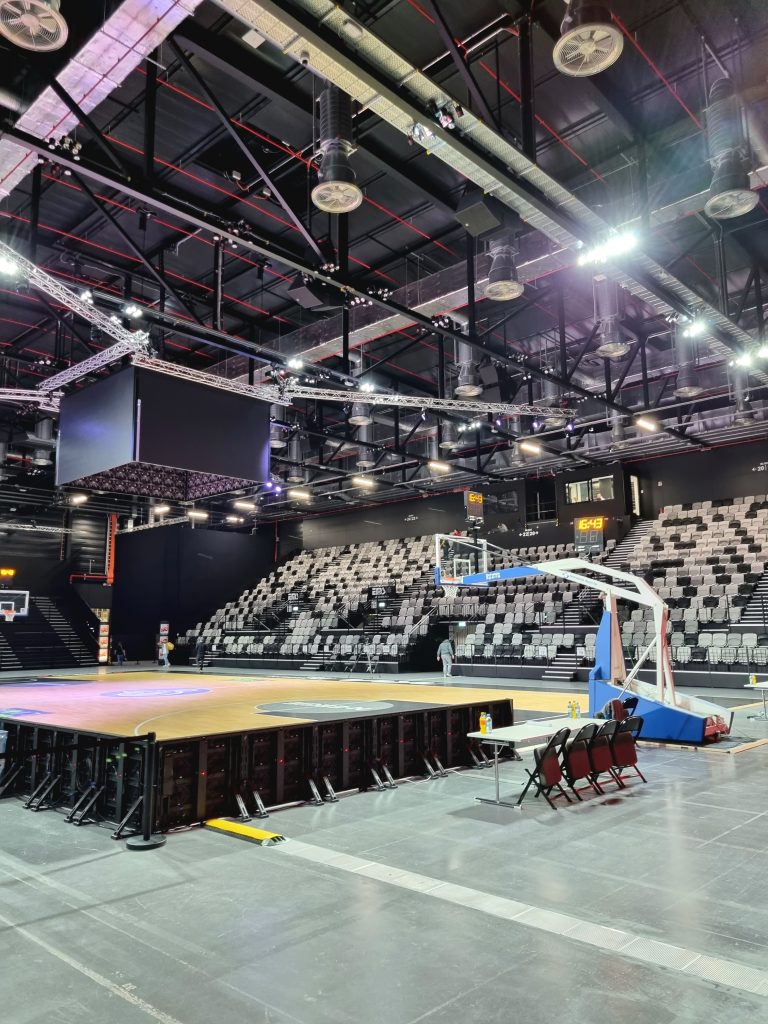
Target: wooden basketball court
point(188, 705)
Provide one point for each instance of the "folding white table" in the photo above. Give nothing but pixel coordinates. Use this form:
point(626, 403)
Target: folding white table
point(535, 730)
point(762, 687)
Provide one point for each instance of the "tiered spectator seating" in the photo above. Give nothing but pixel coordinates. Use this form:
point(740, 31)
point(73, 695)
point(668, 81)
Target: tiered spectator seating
point(705, 559)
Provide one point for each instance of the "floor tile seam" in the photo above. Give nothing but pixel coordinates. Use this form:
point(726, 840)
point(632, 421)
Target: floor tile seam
point(474, 899)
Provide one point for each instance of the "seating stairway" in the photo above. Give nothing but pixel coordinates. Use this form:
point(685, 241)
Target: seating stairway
point(755, 614)
point(49, 636)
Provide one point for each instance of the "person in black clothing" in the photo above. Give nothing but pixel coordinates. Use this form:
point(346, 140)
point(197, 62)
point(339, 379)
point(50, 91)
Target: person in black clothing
point(200, 651)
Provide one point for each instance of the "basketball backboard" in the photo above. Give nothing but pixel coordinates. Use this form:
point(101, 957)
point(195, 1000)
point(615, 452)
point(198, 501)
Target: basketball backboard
point(457, 556)
point(12, 604)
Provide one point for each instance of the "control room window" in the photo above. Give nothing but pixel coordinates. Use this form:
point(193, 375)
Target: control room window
point(599, 488)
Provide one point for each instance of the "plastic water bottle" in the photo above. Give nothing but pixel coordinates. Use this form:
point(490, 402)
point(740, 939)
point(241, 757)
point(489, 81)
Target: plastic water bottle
point(578, 710)
point(483, 722)
point(488, 722)
point(753, 680)
point(571, 710)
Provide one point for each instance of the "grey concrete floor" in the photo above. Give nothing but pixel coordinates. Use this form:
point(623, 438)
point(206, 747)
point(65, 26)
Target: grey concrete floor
point(643, 906)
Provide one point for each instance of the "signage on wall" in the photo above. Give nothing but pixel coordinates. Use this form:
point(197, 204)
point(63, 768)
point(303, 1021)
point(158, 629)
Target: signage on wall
point(762, 467)
point(382, 591)
point(528, 533)
point(7, 573)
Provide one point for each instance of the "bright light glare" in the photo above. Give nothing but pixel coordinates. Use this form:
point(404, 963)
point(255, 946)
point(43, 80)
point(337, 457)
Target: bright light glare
point(8, 266)
point(530, 447)
point(745, 359)
point(86, 295)
point(294, 363)
point(616, 245)
point(78, 499)
point(132, 310)
point(645, 424)
point(245, 506)
point(695, 329)
point(299, 492)
point(363, 481)
point(439, 466)
point(196, 513)
point(762, 352)
point(161, 510)
point(367, 386)
point(234, 519)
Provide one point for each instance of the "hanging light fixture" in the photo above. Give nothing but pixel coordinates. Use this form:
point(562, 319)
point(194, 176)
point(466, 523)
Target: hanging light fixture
point(589, 40)
point(337, 190)
point(730, 194)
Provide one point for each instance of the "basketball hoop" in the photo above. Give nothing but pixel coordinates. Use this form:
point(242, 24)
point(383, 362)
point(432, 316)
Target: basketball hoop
point(450, 590)
point(9, 614)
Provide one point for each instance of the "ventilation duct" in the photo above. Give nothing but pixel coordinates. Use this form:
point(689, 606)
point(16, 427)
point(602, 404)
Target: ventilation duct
point(360, 414)
point(589, 41)
point(468, 384)
point(729, 194)
point(618, 432)
point(43, 443)
point(33, 24)
point(606, 296)
point(277, 435)
point(688, 384)
point(337, 190)
point(296, 457)
point(449, 439)
point(503, 285)
point(130, 33)
point(365, 456)
point(744, 412)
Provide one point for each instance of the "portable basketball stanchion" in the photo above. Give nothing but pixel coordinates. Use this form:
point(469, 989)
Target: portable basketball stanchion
point(147, 840)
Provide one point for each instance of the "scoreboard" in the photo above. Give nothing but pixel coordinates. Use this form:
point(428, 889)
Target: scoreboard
point(473, 507)
point(589, 534)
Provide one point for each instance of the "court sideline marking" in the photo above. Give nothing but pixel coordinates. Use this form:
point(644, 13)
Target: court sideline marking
point(688, 962)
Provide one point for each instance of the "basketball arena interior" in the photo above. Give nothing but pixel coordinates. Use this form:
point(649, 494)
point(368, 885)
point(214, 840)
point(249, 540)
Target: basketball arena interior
point(383, 511)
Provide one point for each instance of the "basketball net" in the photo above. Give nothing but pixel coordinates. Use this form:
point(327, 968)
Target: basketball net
point(451, 590)
point(9, 614)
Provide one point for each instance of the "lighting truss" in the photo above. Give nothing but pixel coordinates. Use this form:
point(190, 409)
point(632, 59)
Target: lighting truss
point(128, 347)
point(285, 393)
point(173, 521)
point(128, 342)
point(29, 528)
point(47, 401)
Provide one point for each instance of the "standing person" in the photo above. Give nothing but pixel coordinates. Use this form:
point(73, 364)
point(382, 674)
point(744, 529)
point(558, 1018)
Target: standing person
point(120, 652)
point(445, 654)
point(200, 651)
point(162, 652)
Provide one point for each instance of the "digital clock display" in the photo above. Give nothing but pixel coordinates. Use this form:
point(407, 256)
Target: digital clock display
point(590, 523)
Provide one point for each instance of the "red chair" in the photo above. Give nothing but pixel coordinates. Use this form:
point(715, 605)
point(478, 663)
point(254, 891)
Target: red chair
point(576, 761)
point(547, 773)
point(601, 754)
point(624, 748)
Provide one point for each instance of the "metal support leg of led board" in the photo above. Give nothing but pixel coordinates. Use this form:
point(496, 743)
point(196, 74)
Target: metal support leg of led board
point(147, 840)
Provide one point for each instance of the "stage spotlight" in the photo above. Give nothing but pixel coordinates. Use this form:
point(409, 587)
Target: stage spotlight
point(613, 247)
point(132, 311)
point(294, 363)
point(8, 266)
point(78, 499)
point(530, 447)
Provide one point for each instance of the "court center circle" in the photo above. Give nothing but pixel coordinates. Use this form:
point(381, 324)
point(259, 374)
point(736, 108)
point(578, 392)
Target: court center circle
point(166, 691)
point(324, 707)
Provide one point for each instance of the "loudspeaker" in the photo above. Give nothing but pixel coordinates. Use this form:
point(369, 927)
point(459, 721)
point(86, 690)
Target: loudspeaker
point(312, 294)
point(478, 213)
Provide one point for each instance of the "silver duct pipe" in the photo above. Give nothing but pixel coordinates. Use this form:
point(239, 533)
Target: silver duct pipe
point(729, 194)
point(277, 436)
point(606, 299)
point(365, 456)
point(468, 384)
point(43, 432)
point(618, 432)
point(744, 412)
point(449, 438)
point(360, 414)
point(296, 457)
point(688, 384)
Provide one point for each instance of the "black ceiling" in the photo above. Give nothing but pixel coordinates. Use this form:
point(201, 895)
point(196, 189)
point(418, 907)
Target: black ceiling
point(625, 142)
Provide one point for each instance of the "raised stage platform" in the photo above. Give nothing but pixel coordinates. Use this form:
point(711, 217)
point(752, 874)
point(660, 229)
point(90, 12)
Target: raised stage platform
point(220, 737)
